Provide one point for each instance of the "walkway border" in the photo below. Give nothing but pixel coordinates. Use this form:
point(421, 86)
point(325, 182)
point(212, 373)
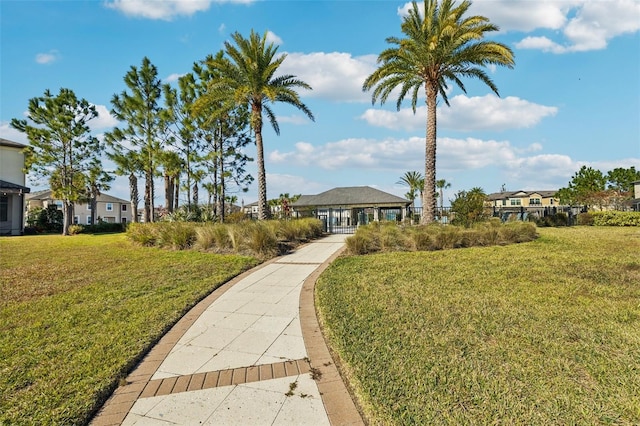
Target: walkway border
point(338, 402)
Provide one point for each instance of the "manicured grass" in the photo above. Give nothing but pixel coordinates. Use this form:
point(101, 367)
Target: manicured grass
point(539, 333)
point(76, 313)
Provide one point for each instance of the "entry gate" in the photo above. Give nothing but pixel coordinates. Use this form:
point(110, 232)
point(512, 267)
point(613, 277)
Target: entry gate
point(342, 221)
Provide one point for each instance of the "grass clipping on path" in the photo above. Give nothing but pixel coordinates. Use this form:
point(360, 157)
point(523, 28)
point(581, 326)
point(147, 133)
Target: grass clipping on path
point(546, 332)
point(77, 312)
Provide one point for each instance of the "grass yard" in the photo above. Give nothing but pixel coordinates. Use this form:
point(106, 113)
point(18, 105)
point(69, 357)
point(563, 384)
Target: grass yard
point(76, 313)
point(539, 333)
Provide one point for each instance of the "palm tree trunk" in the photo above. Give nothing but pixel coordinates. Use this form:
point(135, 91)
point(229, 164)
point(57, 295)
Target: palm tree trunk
point(133, 194)
point(263, 208)
point(429, 202)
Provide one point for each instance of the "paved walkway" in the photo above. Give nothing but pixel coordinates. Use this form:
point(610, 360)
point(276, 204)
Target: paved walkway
point(249, 354)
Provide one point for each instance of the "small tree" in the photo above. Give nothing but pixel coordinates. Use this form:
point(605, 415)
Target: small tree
point(587, 187)
point(468, 207)
point(61, 147)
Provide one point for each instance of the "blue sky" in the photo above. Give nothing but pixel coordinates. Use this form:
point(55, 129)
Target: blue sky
point(572, 99)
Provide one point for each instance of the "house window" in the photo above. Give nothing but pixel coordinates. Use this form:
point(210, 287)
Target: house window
point(124, 220)
point(535, 202)
point(551, 201)
point(516, 202)
point(88, 206)
point(109, 207)
point(504, 202)
point(76, 220)
point(4, 208)
point(88, 220)
point(124, 207)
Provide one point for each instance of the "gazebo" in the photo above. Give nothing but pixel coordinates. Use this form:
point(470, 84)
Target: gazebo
point(343, 209)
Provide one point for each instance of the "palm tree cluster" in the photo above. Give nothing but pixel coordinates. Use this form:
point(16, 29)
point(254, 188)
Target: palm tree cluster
point(198, 131)
point(440, 45)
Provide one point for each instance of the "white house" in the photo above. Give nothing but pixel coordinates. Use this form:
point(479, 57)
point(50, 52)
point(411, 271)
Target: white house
point(108, 208)
point(12, 187)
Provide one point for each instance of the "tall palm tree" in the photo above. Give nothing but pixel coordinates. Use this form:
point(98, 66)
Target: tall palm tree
point(441, 45)
point(247, 76)
point(442, 184)
point(415, 182)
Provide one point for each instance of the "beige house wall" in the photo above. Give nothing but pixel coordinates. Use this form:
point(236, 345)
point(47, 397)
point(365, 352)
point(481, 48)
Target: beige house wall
point(11, 170)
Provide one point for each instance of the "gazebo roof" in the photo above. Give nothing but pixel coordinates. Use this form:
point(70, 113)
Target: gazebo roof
point(351, 196)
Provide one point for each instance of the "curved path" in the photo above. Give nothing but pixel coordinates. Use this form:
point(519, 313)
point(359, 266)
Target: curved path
point(251, 353)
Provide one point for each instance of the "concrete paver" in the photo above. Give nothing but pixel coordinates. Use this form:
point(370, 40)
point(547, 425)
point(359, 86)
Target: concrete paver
point(242, 359)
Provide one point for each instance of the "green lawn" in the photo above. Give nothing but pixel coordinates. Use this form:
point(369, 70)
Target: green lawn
point(539, 333)
point(76, 313)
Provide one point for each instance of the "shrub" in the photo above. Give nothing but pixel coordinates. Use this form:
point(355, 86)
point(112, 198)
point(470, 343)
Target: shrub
point(103, 228)
point(585, 219)
point(616, 218)
point(261, 239)
point(361, 243)
point(142, 233)
point(214, 236)
point(176, 235)
point(75, 229)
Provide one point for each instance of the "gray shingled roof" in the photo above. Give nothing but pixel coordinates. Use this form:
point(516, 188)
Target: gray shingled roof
point(13, 188)
point(351, 196)
point(46, 195)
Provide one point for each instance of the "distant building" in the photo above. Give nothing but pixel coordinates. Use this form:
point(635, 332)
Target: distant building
point(108, 208)
point(343, 209)
point(12, 187)
point(538, 203)
point(635, 203)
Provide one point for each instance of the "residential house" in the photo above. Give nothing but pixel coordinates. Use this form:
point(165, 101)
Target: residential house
point(635, 203)
point(523, 203)
point(12, 187)
point(108, 208)
point(343, 209)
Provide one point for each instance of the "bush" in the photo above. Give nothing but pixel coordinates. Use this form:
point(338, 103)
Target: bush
point(585, 219)
point(616, 218)
point(76, 229)
point(176, 235)
point(213, 237)
point(261, 239)
point(389, 237)
point(142, 233)
point(103, 228)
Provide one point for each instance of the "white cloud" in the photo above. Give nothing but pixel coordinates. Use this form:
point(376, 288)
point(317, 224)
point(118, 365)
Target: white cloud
point(104, 120)
point(465, 161)
point(294, 119)
point(335, 76)
point(273, 38)
point(173, 77)
point(163, 9)
point(47, 58)
point(11, 134)
point(584, 24)
point(487, 112)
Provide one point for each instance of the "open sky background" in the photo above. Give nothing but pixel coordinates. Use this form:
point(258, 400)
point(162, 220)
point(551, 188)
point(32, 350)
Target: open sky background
point(573, 98)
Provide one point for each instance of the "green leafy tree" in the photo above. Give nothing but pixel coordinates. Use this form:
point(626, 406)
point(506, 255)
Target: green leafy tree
point(441, 45)
point(468, 207)
point(247, 76)
point(61, 146)
point(620, 185)
point(145, 128)
point(587, 187)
